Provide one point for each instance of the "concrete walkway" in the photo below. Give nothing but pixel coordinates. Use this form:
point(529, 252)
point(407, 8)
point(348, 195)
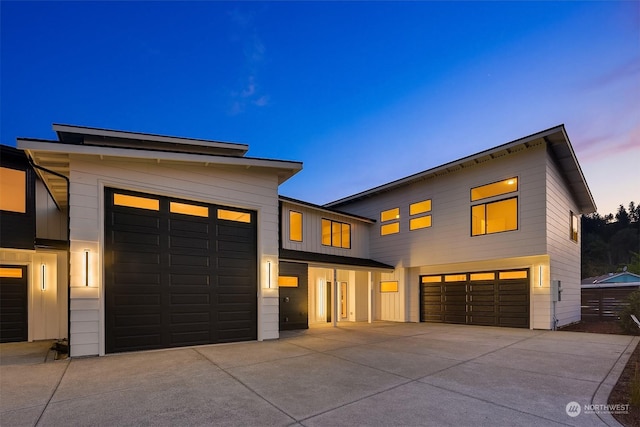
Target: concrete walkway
point(382, 374)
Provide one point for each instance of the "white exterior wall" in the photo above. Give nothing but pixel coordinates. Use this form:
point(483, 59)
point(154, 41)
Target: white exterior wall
point(312, 232)
point(449, 238)
point(564, 253)
point(241, 187)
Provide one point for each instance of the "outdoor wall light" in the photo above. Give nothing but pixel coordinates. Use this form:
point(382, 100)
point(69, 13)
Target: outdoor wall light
point(86, 267)
point(540, 276)
point(269, 274)
point(43, 283)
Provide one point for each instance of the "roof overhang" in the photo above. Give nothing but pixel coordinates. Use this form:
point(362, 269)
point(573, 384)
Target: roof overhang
point(333, 261)
point(556, 139)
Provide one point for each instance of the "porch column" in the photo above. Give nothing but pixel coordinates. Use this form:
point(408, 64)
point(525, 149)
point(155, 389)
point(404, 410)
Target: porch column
point(369, 298)
point(334, 306)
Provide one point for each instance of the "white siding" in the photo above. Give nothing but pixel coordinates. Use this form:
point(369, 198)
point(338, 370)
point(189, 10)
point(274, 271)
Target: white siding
point(449, 238)
point(312, 232)
point(250, 188)
point(564, 252)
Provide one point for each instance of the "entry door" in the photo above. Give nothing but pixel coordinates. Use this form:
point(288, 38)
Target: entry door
point(344, 307)
point(294, 302)
point(13, 303)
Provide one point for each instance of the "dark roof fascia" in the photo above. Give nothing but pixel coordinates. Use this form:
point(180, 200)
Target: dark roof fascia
point(325, 209)
point(312, 257)
point(421, 175)
point(51, 244)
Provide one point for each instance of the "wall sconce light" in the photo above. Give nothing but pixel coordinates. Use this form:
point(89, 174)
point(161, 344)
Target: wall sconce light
point(269, 274)
point(86, 267)
point(43, 284)
point(540, 276)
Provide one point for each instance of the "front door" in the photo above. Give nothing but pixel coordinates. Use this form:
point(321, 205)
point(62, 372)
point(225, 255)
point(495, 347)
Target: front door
point(13, 303)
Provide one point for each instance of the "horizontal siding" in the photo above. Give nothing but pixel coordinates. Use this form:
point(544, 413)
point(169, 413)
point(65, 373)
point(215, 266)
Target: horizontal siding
point(449, 238)
point(564, 252)
point(312, 232)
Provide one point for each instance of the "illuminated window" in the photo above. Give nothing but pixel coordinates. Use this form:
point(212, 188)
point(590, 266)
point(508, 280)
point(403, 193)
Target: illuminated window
point(575, 226)
point(392, 228)
point(288, 281)
point(495, 189)
point(136, 202)
point(390, 214)
point(494, 217)
point(13, 190)
point(234, 216)
point(295, 226)
point(337, 234)
point(455, 278)
point(522, 274)
point(420, 222)
point(10, 273)
point(389, 286)
point(420, 207)
point(431, 279)
point(482, 276)
point(187, 209)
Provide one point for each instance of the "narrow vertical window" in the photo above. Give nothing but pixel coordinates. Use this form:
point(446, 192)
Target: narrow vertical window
point(575, 226)
point(295, 226)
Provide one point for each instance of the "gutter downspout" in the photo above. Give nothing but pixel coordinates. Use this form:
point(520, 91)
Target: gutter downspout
point(33, 165)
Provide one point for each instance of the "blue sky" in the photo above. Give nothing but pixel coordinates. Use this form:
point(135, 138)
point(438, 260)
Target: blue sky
point(361, 92)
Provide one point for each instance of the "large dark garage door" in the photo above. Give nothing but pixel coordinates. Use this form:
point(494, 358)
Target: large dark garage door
point(495, 298)
point(13, 303)
point(177, 273)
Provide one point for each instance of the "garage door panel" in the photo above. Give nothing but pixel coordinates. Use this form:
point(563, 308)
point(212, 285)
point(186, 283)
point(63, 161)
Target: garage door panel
point(195, 269)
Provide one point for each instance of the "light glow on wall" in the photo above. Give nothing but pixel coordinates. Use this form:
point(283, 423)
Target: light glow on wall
point(43, 282)
point(321, 298)
point(86, 267)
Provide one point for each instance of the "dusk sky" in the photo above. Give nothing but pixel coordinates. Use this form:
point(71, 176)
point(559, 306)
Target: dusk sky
point(362, 93)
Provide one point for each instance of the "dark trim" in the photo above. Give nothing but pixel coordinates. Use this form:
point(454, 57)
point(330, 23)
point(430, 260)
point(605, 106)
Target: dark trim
point(52, 244)
point(311, 257)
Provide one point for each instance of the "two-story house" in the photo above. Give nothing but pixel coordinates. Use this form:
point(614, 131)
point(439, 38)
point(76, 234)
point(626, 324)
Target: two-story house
point(154, 241)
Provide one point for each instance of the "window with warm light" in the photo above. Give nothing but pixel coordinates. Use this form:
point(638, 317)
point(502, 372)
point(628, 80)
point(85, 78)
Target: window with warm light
point(295, 226)
point(575, 226)
point(136, 202)
point(188, 209)
point(390, 215)
point(389, 286)
point(494, 217)
point(499, 188)
point(288, 281)
point(13, 190)
point(336, 234)
point(392, 228)
point(420, 207)
point(236, 216)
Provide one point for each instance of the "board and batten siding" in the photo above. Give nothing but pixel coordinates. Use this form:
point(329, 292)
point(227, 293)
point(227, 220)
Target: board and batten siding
point(249, 188)
point(564, 253)
point(312, 232)
point(449, 238)
point(51, 222)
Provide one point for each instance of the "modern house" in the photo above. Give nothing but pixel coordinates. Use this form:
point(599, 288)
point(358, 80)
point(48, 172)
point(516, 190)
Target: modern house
point(146, 241)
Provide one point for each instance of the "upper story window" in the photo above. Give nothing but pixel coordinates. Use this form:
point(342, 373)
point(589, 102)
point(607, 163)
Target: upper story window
point(418, 219)
point(13, 190)
point(575, 226)
point(295, 226)
point(391, 227)
point(336, 234)
point(495, 215)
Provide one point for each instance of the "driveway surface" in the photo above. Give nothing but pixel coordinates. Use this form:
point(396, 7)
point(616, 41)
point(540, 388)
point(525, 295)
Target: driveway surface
point(383, 374)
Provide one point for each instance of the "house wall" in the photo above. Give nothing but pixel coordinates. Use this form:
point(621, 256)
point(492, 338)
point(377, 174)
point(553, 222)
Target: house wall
point(564, 252)
point(51, 222)
point(312, 232)
point(449, 238)
point(249, 188)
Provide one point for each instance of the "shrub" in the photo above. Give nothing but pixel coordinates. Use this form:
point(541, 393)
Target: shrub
point(633, 307)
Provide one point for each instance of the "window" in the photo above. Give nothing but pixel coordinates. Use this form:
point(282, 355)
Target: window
point(295, 226)
point(187, 209)
point(418, 209)
point(336, 234)
point(482, 276)
point(390, 215)
point(13, 190)
point(495, 189)
point(136, 202)
point(575, 226)
point(506, 275)
point(431, 279)
point(11, 273)
point(234, 216)
point(389, 286)
point(288, 281)
point(455, 278)
point(494, 217)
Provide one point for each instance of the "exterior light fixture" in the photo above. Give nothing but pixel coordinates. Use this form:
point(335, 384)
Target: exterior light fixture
point(540, 276)
point(43, 283)
point(86, 267)
point(269, 274)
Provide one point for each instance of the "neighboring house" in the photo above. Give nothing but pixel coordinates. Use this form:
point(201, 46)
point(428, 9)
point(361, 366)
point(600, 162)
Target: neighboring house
point(175, 241)
point(604, 296)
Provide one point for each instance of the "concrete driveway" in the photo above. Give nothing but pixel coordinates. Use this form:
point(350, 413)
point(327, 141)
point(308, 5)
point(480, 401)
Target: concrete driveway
point(381, 374)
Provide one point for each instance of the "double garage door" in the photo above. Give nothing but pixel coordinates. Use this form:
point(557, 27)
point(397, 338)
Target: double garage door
point(177, 272)
point(494, 298)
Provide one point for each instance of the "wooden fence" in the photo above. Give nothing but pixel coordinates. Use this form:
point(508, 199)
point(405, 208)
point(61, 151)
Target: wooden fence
point(604, 303)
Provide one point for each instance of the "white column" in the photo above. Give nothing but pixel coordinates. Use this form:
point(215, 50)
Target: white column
point(334, 297)
point(369, 297)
